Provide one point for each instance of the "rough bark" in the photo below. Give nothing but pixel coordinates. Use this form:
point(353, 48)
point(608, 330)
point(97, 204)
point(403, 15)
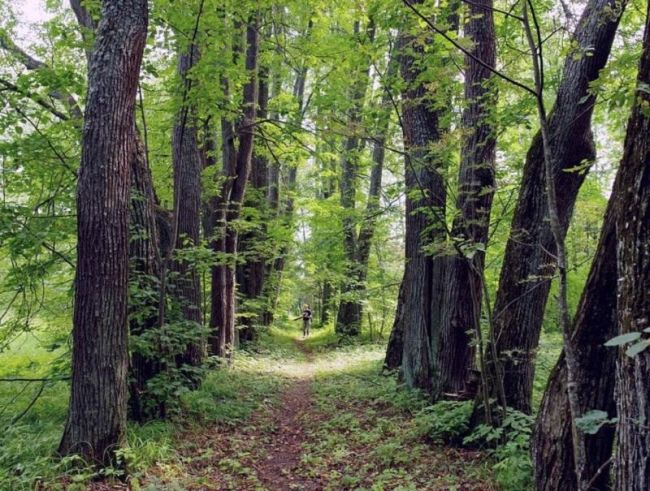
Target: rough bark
point(426, 196)
point(97, 409)
point(461, 309)
point(254, 245)
point(239, 167)
point(595, 323)
point(632, 460)
point(529, 262)
point(187, 208)
point(145, 269)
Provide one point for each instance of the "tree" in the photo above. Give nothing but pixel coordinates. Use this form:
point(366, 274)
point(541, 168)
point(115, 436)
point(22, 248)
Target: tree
point(97, 410)
point(463, 292)
point(529, 263)
point(187, 213)
point(426, 196)
point(632, 460)
point(348, 320)
point(237, 168)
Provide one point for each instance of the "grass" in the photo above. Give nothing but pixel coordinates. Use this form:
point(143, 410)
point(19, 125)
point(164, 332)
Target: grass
point(363, 431)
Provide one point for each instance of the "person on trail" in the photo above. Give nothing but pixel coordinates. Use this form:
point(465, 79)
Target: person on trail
point(306, 320)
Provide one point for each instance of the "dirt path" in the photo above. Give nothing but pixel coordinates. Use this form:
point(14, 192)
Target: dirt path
point(279, 471)
point(347, 431)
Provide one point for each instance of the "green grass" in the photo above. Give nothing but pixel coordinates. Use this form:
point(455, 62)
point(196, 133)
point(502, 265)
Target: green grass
point(27, 447)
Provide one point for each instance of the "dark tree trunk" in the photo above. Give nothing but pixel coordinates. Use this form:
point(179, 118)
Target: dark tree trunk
point(145, 270)
point(254, 245)
point(395, 349)
point(594, 324)
point(188, 166)
point(238, 171)
point(461, 309)
point(529, 263)
point(216, 228)
point(348, 320)
point(632, 462)
point(97, 416)
point(425, 196)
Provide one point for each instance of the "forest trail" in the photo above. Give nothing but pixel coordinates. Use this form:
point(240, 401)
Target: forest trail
point(329, 421)
point(284, 451)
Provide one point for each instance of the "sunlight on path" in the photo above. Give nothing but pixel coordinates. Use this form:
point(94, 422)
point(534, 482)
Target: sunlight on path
point(329, 422)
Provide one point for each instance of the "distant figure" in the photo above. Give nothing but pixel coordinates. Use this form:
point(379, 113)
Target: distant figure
point(306, 320)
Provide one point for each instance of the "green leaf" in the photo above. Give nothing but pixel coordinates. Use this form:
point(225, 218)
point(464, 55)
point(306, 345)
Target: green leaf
point(592, 421)
point(623, 339)
point(637, 348)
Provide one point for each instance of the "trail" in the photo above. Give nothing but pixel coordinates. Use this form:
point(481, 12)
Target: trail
point(331, 422)
point(280, 468)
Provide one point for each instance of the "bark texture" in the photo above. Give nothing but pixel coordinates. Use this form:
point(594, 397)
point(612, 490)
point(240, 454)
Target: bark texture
point(97, 409)
point(238, 167)
point(633, 308)
point(461, 309)
point(251, 276)
point(529, 263)
point(594, 324)
point(425, 205)
point(145, 269)
point(188, 165)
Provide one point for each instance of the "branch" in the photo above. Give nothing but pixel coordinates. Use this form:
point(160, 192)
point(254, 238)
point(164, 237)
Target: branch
point(467, 52)
point(35, 98)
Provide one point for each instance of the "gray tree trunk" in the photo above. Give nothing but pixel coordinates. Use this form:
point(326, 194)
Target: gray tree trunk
point(97, 409)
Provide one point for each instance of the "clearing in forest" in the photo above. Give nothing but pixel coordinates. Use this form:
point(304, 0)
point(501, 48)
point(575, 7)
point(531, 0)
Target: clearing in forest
point(301, 415)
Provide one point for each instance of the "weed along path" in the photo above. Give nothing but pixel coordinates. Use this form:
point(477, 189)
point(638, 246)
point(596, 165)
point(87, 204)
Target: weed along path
point(303, 415)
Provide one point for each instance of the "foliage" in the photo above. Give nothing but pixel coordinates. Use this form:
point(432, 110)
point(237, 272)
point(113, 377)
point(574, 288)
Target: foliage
point(510, 442)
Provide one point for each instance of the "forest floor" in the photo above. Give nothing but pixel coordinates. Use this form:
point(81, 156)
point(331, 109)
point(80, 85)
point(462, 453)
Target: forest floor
point(330, 422)
point(291, 414)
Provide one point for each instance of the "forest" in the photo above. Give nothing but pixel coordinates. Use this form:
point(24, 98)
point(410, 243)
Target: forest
point(325, 245)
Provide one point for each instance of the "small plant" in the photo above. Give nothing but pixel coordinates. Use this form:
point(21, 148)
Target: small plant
point(445, 421)
point(511, 449)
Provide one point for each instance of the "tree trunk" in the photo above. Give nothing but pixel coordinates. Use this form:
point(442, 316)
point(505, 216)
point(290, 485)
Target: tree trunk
point(368, 225)
point(425, 196)
point(188, 166)
point(253, 272)
point(97, 409)
point(595, 323)
point(464, 273)
point(395, 349)
point(348, 319)
point(145, 270)
point(238, 164)
point(632, 462)
point(529, 263)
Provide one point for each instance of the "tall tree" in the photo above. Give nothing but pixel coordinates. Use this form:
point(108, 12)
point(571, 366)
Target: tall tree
point(529, 262)
point(632, 462)
point(348, 320)
point(463, 292)
point(254, 245)
point(237, 162)
point(188, 166)
point(425, 204)
point(594, 324)
point(97, 409)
